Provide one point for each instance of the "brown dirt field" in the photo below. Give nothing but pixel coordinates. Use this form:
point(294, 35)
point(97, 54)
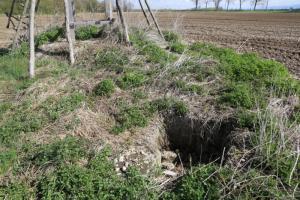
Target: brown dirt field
point(271, 35)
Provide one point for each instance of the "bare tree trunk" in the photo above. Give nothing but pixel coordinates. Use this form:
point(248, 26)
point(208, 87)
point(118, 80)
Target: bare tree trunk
point(154, 19)
point(240, 4)
point(37, 5)
point(123, 22)
point(197, 3)
point(31, 39)
point(108, 9)
point(267, 4)
point(228, 2)
point(206, 4)
point(145, 15)
point(217, 4)
point(255, 4)
point(68, 32)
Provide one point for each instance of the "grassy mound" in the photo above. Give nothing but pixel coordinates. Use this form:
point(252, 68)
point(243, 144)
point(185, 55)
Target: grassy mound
point(54, 128)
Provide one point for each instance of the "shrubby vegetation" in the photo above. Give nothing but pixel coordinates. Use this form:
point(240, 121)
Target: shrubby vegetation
point(88, 32)
point(105, 88)
point(51, 35)
point(249, 80)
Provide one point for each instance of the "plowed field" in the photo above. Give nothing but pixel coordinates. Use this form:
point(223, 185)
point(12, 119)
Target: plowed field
point(272, 35)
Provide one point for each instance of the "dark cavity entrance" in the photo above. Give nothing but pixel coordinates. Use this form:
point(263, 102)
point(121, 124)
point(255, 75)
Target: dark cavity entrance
point(198, 141)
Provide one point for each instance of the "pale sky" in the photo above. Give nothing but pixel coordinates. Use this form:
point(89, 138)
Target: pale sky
point(187, 4)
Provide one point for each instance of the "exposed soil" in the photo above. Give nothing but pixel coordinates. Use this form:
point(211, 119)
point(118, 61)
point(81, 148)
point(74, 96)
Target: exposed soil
point(271, 35)
point(198, 140)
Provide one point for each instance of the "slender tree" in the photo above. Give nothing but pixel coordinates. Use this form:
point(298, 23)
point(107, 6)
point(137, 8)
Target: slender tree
point(206, 3)
point(217, 4)
point(241, 2)
point(256, 2)
point(267, 4)
point(196, 4)
point(31, 39)
point(68, 11)
point(228, 2)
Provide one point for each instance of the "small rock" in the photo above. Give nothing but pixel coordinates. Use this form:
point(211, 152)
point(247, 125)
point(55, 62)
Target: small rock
point(169, 156)
point(121, 159)
point(143, 153)
point(170, 173)
point(126, 164)
point(168, 166)
point(117, 169)
point(124, 169)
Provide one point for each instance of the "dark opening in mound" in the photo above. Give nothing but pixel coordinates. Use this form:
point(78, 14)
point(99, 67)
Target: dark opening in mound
point(198, 141)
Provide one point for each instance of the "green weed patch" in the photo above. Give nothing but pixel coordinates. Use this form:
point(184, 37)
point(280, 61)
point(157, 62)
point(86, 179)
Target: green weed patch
point(105, 88)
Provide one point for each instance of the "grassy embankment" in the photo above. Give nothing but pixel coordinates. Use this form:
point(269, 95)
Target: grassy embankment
point(244, 84)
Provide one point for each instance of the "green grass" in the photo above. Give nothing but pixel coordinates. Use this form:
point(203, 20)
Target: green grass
point(152, 52)
point(7, 159)
point(49, 36)
point(54, 108)
point(26, 120)
point(55, 33)
point(131, 80)
point(177, 47)
point(208, 181)
point(239, 95)
point(60, 152)
point(248, 78)
point(187, 88)
point(155, 54)
point(16, 191)
point(130, 117)
point(171, 36)
point(111, 59)
point(169, 105)
point(96, 180)
point(275, 149)
point(88, 32)
point(105, 88)
point(13, 66)
point(72, 168)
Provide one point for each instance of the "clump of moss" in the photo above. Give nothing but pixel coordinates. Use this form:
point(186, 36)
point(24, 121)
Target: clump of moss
point(105, 88)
